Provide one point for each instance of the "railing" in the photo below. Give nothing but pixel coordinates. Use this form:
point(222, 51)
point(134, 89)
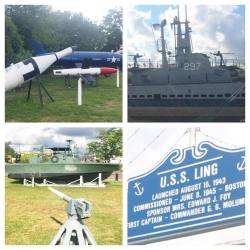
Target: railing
point(228, 62)
point(171, 62)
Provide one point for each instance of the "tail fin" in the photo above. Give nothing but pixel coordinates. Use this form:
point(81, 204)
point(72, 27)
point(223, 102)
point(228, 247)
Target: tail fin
point(37, 47)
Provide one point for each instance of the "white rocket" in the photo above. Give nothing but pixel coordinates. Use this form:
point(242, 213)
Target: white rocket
point(80, 71)
point(17, 74)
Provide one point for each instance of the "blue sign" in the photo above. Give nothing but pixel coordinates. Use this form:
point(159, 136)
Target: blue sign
point(192, 190)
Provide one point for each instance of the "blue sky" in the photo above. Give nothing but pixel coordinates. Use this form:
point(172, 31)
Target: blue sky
point(240, 10)
point(213, 28)
point(157, 9)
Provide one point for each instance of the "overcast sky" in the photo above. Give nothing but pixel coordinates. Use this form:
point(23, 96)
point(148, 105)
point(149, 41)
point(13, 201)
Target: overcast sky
point(141, 160)
point(94, 10)
point(213, 28)
point(37, 136)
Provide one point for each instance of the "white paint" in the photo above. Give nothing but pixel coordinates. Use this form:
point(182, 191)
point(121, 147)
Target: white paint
point(190, 165)
point(70, 168)
point(79, 92)
point(14, 73)
point(77, 71)
point(117, 78)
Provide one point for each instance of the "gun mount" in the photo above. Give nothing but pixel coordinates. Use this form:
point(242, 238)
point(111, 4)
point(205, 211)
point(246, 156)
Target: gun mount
point(74, 231)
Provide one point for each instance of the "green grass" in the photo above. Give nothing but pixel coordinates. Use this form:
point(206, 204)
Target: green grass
point(101, 103)
point(30, 213)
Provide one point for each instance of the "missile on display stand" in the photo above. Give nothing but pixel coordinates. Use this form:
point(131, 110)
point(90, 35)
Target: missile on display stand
point(80, 71)
point(17, 74)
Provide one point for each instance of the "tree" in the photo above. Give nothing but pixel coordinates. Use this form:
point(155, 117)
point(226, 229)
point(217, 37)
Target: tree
point(55, 30)
point(9, 152)
point(14, 45)
point(26, 157)
point(112, 29)
point(108, 144)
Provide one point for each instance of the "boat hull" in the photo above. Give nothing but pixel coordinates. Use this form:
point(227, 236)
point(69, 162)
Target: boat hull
point(54, 171)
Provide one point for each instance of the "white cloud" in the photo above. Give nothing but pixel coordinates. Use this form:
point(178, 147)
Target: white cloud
point(217, 24)
point(220, 37)
point(28, 139)
point(214, 27)
point(140, 33)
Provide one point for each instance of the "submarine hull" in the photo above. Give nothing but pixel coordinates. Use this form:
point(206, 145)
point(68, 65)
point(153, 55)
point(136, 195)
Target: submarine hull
point(187, 102)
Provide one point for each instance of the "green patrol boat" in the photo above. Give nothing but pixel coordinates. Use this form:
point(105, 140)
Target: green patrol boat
point(61, 165)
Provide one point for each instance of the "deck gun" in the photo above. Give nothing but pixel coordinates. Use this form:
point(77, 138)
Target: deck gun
point(74, 231)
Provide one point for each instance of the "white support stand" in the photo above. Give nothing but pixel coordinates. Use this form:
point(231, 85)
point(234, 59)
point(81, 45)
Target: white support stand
point(81, 181)
point(99, 179)
point(96, 182)
point(117, 78)
point(33, 181)
point(79, 91)
point(27, 182)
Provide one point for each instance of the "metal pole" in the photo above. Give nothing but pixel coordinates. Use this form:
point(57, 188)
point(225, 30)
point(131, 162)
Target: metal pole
point(99, 179)
point(81, 181)
point(178, 13)
point(117, 78)
point(79, 91)
point(186, 12)
point(163, 47)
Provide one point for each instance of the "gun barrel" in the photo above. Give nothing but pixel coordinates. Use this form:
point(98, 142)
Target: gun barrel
point(60, 194)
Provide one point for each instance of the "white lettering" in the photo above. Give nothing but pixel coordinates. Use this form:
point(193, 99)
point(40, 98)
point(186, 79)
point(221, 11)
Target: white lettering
point(206, 171)
point(187, 213)
point(233, 186)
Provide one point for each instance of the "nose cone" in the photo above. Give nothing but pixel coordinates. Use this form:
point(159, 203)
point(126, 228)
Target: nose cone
point(107, 71)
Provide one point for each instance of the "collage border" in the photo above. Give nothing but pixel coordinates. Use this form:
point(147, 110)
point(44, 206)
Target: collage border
point(124, 124)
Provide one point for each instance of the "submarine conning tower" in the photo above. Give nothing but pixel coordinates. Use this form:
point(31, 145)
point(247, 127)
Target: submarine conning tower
point(184, 57)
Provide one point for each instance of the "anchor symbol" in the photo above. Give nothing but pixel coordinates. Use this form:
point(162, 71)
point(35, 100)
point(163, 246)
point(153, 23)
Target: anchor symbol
point(139, 190)
point(241, 165)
